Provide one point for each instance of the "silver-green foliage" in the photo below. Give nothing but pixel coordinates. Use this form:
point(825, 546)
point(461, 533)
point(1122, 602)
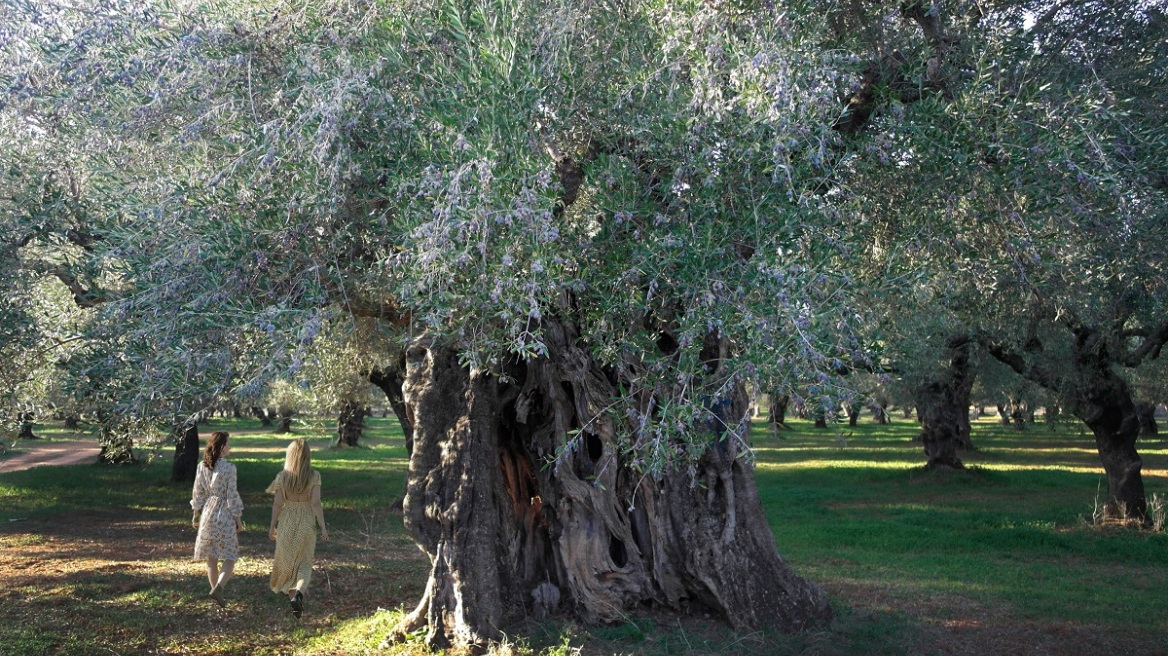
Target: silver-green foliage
point(260, 170)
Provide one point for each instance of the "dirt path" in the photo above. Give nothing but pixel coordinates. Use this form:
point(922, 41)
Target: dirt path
point(34, 453)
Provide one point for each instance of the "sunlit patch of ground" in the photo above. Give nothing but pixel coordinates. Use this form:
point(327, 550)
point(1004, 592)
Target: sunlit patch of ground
point(126, 584)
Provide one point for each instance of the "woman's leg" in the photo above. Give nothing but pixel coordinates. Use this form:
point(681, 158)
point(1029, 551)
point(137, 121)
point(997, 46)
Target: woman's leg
point(225, 573)
point(212, 571)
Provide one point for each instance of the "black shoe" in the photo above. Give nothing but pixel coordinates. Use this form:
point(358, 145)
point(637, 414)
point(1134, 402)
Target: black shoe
point(297, 604)
point(217, 594)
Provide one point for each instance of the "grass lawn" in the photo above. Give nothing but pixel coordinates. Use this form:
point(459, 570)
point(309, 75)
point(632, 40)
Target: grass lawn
point(1000, 560)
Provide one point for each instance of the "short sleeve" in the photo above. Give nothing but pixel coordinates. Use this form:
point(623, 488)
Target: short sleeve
point(276, 484)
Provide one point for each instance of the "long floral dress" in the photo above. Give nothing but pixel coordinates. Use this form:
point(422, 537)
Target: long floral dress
point(216, 495)
point(295, 540)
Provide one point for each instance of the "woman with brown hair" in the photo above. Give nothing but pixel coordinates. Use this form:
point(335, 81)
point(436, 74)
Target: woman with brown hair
point(295, 513)
point(216, 496)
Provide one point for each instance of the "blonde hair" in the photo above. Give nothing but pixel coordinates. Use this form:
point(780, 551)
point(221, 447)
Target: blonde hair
point(297, 472)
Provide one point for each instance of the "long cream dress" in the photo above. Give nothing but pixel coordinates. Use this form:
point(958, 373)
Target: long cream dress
point(216, 495)
point(295, 540)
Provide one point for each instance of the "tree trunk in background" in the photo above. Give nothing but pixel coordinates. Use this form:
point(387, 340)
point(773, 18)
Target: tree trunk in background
point(508, 537)
point(908, 412)
point(943, 409)
point(820, 416)
point(389, 380)
point(778, 412)
point(853, 413)
point(1052, 415)
point(350, 424)
point(1018, 414)
point(1003, 415)
point(1104, 403)
point(262, 415)
point(72, 422)
point(1100, 398)
point(186, 453)
point(284, 420)
point(880, 412)
point(26, 426)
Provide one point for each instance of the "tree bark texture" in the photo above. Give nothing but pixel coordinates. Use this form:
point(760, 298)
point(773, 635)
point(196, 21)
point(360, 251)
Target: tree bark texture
point(350, 424)
point(186, 453)
point(943, 409)
point(508, 536)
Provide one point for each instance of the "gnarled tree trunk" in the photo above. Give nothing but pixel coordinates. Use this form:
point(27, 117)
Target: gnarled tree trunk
point(186, 453)
point(943, 409)
point(508, 536)
point(1102, 399)
point(1105, 404)
point(350, 424)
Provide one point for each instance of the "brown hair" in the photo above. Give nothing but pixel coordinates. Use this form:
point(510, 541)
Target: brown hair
point(215, 448)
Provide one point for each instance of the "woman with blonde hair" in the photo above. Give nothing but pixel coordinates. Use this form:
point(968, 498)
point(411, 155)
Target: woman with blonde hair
point(218, 513)
point(295, 513)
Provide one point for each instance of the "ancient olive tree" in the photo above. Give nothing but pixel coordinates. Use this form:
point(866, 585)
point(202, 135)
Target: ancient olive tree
point(589, 225)
point(1011, 173)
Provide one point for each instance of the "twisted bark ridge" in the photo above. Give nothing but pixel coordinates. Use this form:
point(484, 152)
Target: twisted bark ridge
point(511, 530)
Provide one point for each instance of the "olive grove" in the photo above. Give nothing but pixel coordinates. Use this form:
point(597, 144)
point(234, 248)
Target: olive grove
point(575, 234)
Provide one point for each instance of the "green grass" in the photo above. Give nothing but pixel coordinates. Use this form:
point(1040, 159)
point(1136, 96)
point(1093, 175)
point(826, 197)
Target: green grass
point(904, 554)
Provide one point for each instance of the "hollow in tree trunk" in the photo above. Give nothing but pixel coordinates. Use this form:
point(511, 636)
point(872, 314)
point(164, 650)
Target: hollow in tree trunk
point(186, 453)
point(389, 380)
point(943, 409)
point(507, 536)
point(350, 424)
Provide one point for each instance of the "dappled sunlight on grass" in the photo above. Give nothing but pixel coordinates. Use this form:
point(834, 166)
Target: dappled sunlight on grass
point(836, 464)
point(1001, 545)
